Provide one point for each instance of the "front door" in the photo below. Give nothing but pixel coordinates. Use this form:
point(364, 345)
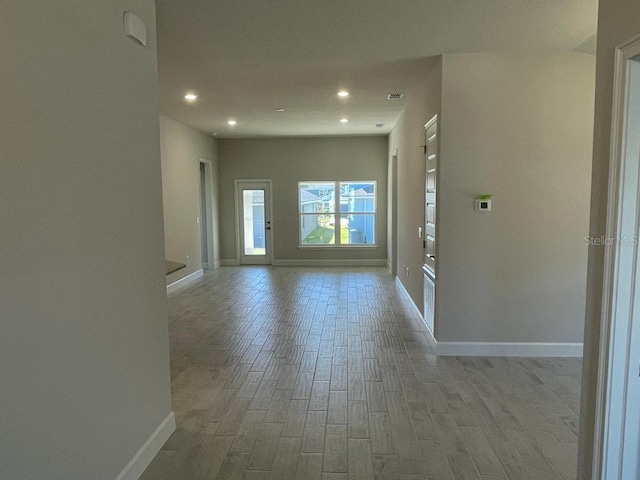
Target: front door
point(253, 202)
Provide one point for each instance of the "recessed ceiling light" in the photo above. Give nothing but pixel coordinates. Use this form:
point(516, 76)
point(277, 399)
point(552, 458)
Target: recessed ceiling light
point(232, 122)
point(343, 93)
point(344, 120)
point(190, 97)
point(379, 125)
point(279, 109)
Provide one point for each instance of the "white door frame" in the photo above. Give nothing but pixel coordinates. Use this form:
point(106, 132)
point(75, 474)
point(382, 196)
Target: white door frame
point(208, 191)
point(393, 212)
point(623, 221)
point(239, 183)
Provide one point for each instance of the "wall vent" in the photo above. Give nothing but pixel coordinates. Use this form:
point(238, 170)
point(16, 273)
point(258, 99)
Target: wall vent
point(395, 96)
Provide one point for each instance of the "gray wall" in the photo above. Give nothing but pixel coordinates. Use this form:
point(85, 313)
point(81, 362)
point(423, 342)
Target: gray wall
point(286, 161)
point(181, 149)
point(520, 128)
point(83, 350)
point(617, 22)
point(407, 136)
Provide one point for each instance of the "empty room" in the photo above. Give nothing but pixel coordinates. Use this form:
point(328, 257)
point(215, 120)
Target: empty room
point(319, 240)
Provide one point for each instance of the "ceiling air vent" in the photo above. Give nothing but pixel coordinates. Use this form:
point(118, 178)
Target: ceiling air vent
point(395, 96)
point(379, 125)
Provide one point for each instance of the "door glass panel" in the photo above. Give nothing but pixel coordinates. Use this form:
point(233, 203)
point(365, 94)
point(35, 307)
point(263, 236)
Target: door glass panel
point(317, 204)
point(357, 229)
point(254, 222)
point(357, 197)
point(318, 229)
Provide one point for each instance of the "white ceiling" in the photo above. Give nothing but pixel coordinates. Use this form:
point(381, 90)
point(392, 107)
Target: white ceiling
point(245, 58)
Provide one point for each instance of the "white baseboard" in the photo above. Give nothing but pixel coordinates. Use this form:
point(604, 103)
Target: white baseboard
point(172, 287)
point(141, 460)
point(509, 349)
point(389, 267)
point(413, 305)
point(229, 262)
point(431, 338)
point(495, 349)
point(217, 264)
point(416, 311)
point(330, 263)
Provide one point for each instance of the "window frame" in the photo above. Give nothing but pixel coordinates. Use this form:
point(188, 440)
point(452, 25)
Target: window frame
point(338, 216)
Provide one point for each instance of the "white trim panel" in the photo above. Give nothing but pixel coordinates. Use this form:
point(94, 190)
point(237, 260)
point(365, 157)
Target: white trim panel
point(143, 457)
point(404, 292)
point(172, 287)
point(217, 264)
point(331, 263)
point(508, 349)
point(416, 310)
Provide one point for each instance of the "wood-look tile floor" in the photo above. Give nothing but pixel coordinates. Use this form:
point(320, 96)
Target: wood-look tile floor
point(290, 373)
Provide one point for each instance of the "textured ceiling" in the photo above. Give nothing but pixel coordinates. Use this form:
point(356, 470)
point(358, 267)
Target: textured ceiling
point(247, 58)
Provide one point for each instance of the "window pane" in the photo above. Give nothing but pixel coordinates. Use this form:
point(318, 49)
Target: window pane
point(317, 197)
point(253, 228)
point(317, 229)
point(358, 197)
point(357, 229)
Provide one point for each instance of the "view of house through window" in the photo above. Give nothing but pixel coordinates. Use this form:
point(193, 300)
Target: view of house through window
point(348, 218)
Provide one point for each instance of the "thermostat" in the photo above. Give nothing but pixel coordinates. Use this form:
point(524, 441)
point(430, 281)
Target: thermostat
point(483, 205)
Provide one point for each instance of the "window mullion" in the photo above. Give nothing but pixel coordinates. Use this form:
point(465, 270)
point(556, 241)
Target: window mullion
point(337, 217)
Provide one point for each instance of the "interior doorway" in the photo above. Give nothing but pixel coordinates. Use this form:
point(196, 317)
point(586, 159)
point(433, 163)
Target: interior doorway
point(393, 213)
point(253, 213)
point(206, 214)
point(618, 416)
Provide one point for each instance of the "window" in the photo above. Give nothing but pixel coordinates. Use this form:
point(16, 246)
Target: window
point(352, 210)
